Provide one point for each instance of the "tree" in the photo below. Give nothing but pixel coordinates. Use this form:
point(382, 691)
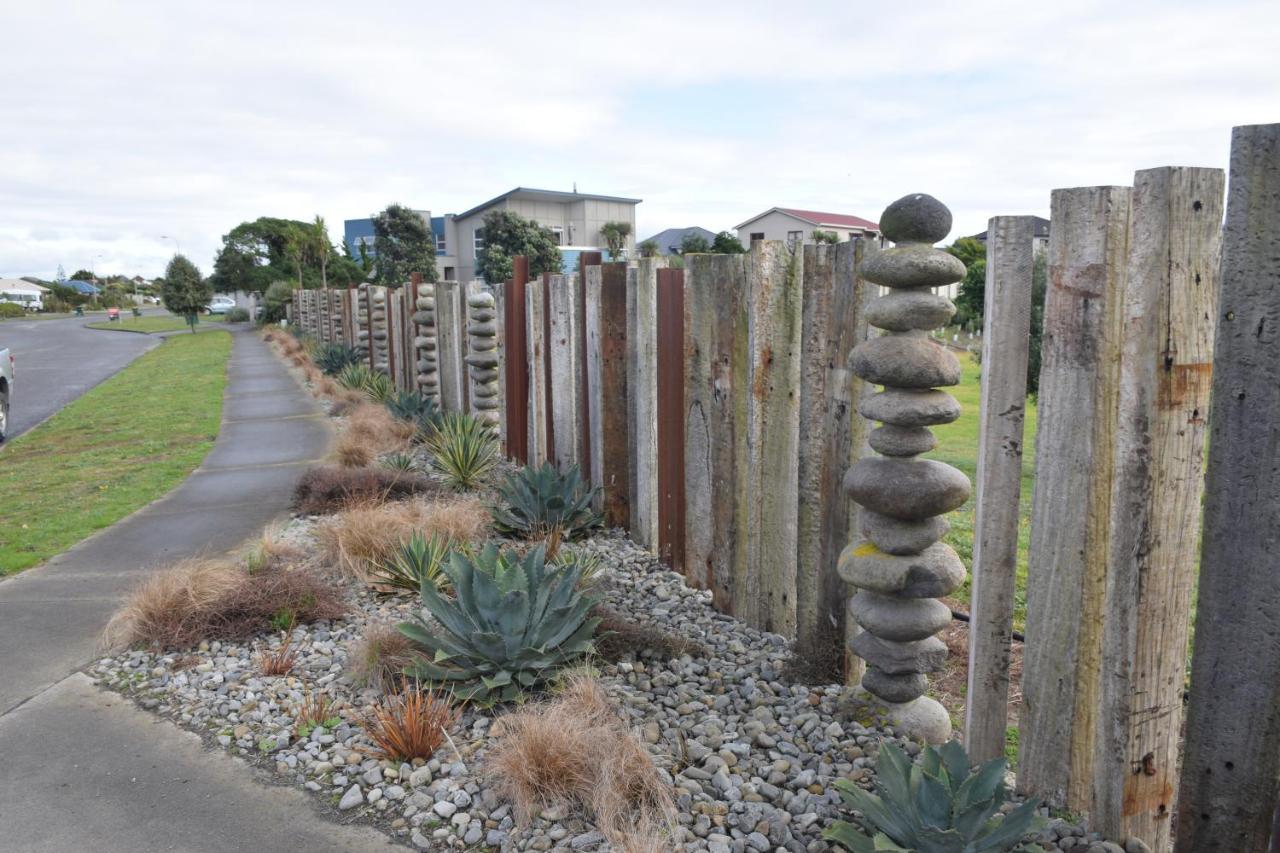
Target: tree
point(648, 249)
point(321, 248)
point(971, 298)
point(277, 296)
point(615, 237)
point(185, 292)
point(404, 244)
point(82, 275)
point(727, 244)
point(694, 244)
point(829, 237)
point(255, 254)
point(62, 273)
point(507, 235)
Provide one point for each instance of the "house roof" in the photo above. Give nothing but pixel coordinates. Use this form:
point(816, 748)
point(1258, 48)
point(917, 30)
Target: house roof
point(819, 218)
point(22, 285)
point(670, 240)
point(82, 287)
point(1041, 229)
point(528, 193)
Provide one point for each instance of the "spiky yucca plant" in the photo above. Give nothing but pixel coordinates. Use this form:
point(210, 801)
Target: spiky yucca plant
point(405, 405)
point(399, 462)
point(463, 449)
point(355, 376)
point(937, 806)
point(415, 562)
point(538, 501)
point(514, 621)
point(589, 565)
point(332, 358)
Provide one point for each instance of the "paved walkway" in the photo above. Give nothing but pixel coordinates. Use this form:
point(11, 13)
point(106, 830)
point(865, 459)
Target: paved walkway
point(84, 769)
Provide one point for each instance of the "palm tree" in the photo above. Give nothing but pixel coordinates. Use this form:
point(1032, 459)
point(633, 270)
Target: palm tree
point(322, 247)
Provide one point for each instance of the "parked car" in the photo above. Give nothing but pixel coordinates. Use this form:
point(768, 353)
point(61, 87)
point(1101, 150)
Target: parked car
point(6, 390)
point(221, 304)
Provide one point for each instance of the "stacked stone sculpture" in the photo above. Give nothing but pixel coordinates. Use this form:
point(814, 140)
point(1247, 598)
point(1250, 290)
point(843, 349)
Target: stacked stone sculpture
point(378, 324)
point(424, 342)
point(899, 566)
point(482, 355)
point(363, 341)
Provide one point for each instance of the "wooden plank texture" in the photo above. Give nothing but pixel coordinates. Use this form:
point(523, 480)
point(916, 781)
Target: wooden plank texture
point(564, 346)
point(1166, 363)
point(451, 345)
point(1006, 329)
point(642, 400)
point(1230, 780)
point(535, 325)
point(1071, 503)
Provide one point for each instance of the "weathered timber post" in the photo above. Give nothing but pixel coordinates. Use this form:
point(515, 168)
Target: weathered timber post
point(482, 352)
point(606, 325)
point(535, 330)
point(1166, 360)
point(1071, 503)
point(831, 439)
point(565, 323)
point(1230, 784)
point(901, 569)
point(1007, 326)
point(642, 399)
point(586, 261)
point(451, 345)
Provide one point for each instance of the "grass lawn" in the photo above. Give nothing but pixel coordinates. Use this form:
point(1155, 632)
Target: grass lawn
point(120, 446)
point(159, 323)
point(958, 446)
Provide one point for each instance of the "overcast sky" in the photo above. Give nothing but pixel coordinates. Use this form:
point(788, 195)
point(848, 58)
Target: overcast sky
point(127, 121)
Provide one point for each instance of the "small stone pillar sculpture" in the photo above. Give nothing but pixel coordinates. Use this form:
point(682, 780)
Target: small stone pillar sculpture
point(378, 333)
point(482, 356)
point(900, 567)
point(424, 341)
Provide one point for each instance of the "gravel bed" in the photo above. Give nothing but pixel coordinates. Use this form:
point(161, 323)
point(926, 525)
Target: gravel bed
point(752, 757)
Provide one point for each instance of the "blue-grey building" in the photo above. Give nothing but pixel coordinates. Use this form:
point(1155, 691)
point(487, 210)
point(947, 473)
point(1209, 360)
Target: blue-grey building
point(357, 233)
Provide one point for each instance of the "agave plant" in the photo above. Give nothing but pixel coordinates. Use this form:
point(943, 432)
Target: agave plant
point(514, 621)
point(333, 357)
point(937, 806)
point(463, 449)
point(539, 501)
point(379, 387)
point(405, 405)
point(355, 376)
point(415, 563)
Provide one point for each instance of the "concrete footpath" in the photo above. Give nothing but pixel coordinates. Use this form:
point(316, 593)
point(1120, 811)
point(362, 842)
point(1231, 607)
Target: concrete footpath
point(83, 768)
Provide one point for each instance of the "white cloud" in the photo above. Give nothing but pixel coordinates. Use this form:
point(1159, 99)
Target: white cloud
point(126, 121)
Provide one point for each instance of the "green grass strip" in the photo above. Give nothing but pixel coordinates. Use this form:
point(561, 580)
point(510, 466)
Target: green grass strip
point(160, 323)
point(123, 444)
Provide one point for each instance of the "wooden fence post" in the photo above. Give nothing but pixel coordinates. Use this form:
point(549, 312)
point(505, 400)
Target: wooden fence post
point(1006, 325)
point(1071, 504)
point(451, 345)
point(670, 414)
point(1230, 785)
point(642, 396)
point(830, 439)
point(586, 261)
point(535, 313)
point(514, 361)
point(566, 366)
point(607, 393)
point(1166, 364)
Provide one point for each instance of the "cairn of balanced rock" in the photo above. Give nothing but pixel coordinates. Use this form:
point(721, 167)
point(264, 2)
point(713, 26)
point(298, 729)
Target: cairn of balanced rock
point(378, 325)
point(424, 341)
point(482, 355)
point(899, 566)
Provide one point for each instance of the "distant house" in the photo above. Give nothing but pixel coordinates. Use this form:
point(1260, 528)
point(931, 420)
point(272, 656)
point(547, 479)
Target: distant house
point(82, 287)
point(22, 292)
point(797, 226)
point(670, 241)
point(358, 234)
point(1039, 236)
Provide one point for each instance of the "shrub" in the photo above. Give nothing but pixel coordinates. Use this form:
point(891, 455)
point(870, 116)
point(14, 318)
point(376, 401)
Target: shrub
point(359, 537)
point(538, 502)
point(463, 449)
point(411, 724)
point(329, 488)
point(238, 315)
point(512, 623)
point(332, 358)
point(938, 804)
point(415, 561)
point(11, 310)
point(315, 710)
point(403, 462)
point(380, 657)
point(200, 599)
point(280, 660)
point(277, 296)
point(577, 752)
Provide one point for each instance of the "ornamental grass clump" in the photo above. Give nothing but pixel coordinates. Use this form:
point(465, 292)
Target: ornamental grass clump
point(940, 805)
point(327, 489)
point(543, 502)
point(463, 450)
point(411, 724)
point(379, 658)
point(361, 536)
point(415, 561)
point(512, 623)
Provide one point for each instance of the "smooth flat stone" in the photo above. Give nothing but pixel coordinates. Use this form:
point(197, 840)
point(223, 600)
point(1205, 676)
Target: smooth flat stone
point(895, 536)
point(912, 265)
point(909, 489)
point(901, 441)
point(894, 688)
point(916, 218)
point(934, 572)
point(910, 408)
point(910, 308)
point(906, 361)
point(927, 655)
point(899, 619)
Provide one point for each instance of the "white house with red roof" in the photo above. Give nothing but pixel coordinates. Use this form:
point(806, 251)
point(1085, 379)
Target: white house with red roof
point(797, 226)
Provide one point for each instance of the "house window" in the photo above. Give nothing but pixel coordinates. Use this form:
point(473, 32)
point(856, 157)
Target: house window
point(794, 237)
point(440, 248)
point(477, 239)
point(449, 274)
point(757, 235)
point(558, 233)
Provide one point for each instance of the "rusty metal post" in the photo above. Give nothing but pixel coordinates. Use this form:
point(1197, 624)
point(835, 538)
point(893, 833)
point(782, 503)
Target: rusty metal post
point(670, 412)
point(516, 363)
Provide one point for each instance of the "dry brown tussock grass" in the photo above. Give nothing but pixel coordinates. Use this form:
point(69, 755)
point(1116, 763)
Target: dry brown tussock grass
point(379, 657)
point(410, 724)
point(371, 430)
point(576, 751)
point(272, 551)
point(330, 488)
point(364, 534)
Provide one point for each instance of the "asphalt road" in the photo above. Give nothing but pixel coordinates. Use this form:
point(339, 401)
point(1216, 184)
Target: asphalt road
point(58, 360)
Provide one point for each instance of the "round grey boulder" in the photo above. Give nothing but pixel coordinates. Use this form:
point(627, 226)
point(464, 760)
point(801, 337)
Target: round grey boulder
point(934, 572)
point(916, 218)
point(901, 441)
point(927, 655)
point(895, 536)
point(905, 361)
point(912, 266)
point(909, 489)
point(910, 408)
point(894, 688)
point(899, 619)
point(910, 308)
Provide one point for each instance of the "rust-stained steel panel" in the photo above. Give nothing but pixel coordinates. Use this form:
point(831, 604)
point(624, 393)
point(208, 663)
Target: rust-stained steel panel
point(670, 338)
point(515, 339)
